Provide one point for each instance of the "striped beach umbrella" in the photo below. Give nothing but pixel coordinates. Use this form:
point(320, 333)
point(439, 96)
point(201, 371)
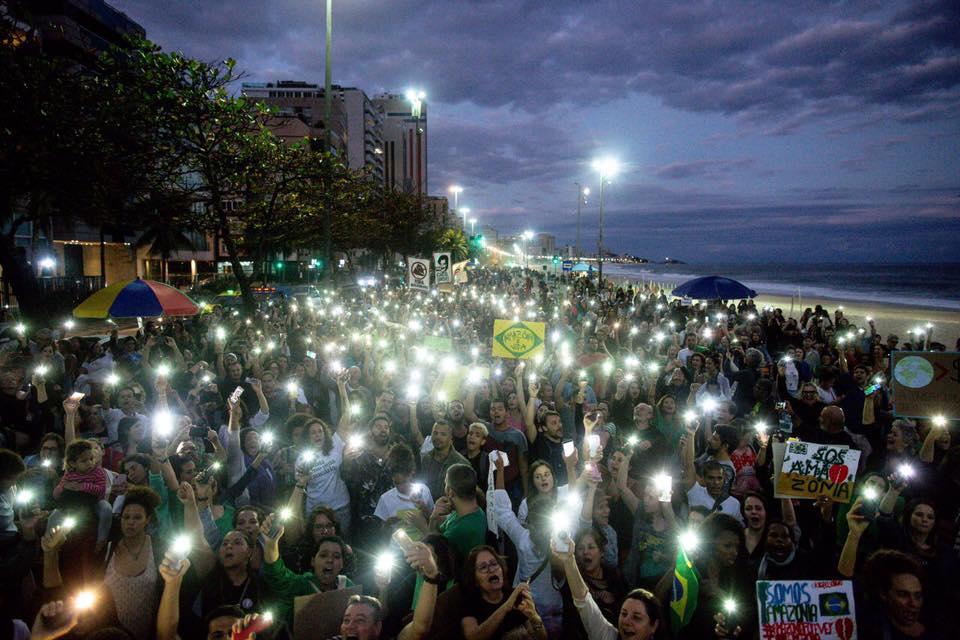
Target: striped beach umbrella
point(136, 299)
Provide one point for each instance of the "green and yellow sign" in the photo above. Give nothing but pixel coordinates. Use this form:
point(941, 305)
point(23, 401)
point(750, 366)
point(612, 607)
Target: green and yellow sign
point(517, 339)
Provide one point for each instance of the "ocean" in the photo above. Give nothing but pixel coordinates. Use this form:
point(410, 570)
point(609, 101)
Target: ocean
point(933, 286)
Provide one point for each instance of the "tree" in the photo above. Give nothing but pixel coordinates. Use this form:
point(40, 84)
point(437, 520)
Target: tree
point(455, 242)
point(164, 236)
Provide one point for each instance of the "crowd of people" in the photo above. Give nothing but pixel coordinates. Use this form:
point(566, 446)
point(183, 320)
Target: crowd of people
point(199, 476)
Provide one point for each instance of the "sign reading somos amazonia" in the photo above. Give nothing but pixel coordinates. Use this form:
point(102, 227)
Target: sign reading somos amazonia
point(517, 339)
point(806, 610)
point(812, 470)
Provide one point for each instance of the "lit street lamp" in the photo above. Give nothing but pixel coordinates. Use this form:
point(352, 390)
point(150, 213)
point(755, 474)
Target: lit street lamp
point(473, 221)
point(582, 193)
point(607, 168)
point(464, 213)
point(527, 237)
point(456, 190)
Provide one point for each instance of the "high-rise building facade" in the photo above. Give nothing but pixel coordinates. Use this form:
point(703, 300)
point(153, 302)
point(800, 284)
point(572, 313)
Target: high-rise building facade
point(303, 101)
point(404, 143)
point(364, 131)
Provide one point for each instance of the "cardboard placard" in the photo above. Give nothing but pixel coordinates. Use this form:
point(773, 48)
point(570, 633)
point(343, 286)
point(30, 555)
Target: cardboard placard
point(418, 274)
point(441, 268)
point(806, 610)
point(320, 615)
point(925, 384)
point(810, 470)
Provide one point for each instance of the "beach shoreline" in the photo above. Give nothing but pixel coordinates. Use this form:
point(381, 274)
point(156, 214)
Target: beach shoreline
point(889, 317)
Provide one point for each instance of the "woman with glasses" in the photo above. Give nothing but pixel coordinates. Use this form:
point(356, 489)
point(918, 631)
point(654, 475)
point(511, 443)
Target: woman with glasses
point(490, 608)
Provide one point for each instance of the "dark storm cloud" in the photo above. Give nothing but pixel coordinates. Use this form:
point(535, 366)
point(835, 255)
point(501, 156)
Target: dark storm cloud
point(741, 58)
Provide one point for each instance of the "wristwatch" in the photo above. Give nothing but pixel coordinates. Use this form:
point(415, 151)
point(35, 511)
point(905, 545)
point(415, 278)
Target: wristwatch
point(437, 579)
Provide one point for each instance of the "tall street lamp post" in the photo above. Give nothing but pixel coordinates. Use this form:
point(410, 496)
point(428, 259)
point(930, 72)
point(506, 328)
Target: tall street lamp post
point(582, 193)
point(527, 237)
point(328, 137)
point(456, 190)
point(607, 168)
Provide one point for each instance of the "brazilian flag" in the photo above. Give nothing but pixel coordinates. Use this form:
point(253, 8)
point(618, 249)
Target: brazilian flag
point(686, 589)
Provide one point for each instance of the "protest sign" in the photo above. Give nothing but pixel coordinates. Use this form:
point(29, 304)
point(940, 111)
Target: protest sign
point(438, 343)
point(441, 268)
point(925, 384)
point(460, 272)
point(812, 470)
point(806, 610)
point(517, 339)
point(418, 274)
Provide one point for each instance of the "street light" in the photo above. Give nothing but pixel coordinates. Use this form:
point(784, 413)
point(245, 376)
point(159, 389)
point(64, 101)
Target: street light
point(527, 237)
point(607, 168)
point(416, 98)
point(473, 221)
point(456, 190)
point(464, 211)
point(582, 193)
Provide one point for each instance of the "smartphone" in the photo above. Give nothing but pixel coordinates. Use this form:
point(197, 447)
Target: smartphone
point(121, 479)
point(403, 539)
point(872, 389)
point(562, 541)
point(312, 355)
point(869, 508)
point(235, 396)
point(198, 432)
point(569, 447)
point(76, 396)
point(781, 406)
point(593, 444)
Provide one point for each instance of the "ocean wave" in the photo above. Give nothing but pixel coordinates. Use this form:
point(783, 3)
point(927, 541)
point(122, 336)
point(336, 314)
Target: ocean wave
point(917, 296)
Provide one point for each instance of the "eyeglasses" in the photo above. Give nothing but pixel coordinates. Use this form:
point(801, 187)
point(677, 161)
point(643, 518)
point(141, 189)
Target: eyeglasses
point(488, 567)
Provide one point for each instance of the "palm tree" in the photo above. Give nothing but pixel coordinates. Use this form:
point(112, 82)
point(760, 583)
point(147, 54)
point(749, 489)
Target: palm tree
point(165, 235)
point(455, 242)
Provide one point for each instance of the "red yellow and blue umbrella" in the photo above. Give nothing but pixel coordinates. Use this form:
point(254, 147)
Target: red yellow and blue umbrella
point(136, 299)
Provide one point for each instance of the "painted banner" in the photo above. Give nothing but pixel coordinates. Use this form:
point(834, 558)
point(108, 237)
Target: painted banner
point(812, 470)
point(521, 340)
point(418, 274)
point(925, 384)
point(806, 610)
point(460, 272)
point(441, 268)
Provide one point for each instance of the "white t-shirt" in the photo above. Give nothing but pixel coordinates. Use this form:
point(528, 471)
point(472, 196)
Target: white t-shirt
point(698, 497)
point(394, 504)
point(325, 486)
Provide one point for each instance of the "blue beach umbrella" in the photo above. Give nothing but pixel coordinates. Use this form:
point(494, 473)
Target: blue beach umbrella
point(713, 288)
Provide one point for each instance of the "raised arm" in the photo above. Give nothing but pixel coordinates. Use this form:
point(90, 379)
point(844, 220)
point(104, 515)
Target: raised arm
point(422, 560)
point(857, 524)
point(530, 410)
point(202, 554)
point(469, 405)
point(70, 409)
point(295, 524)
point(687, 457)
point(168, 614)
point(929, 443)
point(629, 497)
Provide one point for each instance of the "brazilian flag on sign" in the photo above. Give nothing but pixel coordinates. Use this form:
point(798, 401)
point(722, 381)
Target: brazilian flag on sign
point(686, 589)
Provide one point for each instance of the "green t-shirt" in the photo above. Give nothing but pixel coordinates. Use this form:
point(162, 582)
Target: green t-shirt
point(464, 533)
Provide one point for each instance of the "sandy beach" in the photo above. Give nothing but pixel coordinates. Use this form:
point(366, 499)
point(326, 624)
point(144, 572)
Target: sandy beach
point(889, 318)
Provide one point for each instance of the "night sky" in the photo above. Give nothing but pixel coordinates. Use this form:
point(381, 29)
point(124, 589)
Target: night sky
point(759, 131)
